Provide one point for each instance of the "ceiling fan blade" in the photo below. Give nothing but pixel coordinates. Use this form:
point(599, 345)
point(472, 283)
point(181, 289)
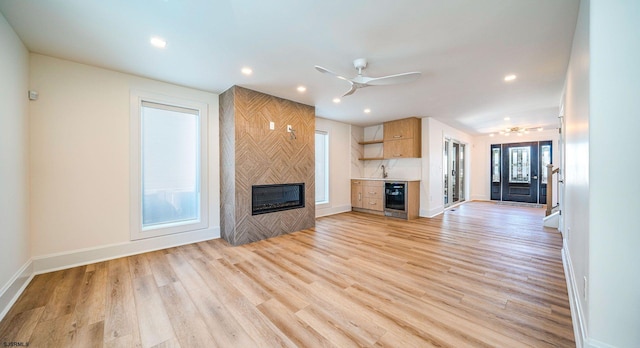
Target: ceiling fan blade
point(327, 71)
point(393, 79)
point(351, 91)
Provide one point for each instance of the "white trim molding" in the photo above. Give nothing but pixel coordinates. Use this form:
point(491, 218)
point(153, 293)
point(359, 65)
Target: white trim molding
point(320, 212)
point(577, 313)
point(11, 291)
point(14, 287)
point(80, 257)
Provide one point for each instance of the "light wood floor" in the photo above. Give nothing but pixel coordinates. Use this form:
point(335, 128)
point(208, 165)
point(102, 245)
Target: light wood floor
point(481, 275)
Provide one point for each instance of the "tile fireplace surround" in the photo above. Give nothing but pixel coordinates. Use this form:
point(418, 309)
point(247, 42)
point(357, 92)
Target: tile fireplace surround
point(253, 154)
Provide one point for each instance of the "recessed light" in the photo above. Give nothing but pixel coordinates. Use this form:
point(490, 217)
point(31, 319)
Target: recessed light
point(507, 118)
point(158, 42)
point(510, 77)
point(336, 100)
point(301, 89)
point(491, 135)
point(540, 129)
point(246, 71)
point(367, 111)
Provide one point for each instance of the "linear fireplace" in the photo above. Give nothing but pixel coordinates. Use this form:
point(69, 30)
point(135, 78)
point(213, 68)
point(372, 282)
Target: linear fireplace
point(271, 198)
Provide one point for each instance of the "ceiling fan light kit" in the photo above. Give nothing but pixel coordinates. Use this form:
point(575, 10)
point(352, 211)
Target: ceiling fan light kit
point(361, 81)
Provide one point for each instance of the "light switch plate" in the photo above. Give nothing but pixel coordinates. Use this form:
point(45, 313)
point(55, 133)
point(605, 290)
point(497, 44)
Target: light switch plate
point(272, 125)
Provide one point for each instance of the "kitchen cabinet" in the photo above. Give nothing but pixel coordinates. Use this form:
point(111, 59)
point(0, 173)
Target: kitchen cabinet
point(356, 193)
point(403, 138)
point(367, 195)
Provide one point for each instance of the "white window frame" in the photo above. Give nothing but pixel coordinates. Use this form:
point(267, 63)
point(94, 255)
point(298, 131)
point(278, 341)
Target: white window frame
point(135, 185)
point(327, 172)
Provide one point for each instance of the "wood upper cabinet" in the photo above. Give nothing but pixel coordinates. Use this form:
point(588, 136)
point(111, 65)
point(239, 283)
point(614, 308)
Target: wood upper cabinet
point(407, 128)
point(403, 138)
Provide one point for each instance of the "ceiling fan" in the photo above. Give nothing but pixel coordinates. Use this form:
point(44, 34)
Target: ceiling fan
point(363, 81)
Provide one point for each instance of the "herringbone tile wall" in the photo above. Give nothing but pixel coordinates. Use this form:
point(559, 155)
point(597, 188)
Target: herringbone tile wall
point(252, 154)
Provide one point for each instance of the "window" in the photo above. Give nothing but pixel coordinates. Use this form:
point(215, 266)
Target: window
point(169, 162)
point(520, 165)
point(322, 167)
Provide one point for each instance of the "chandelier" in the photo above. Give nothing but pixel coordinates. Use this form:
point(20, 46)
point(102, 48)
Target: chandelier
point(518, 131)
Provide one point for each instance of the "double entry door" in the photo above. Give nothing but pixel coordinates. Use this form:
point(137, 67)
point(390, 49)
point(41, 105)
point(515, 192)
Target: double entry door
point(519, 171)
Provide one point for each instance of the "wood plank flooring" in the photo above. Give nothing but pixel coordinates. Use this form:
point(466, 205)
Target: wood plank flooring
point(481, 275)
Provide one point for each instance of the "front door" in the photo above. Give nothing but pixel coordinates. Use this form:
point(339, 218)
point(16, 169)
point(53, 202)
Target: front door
point(520, 172)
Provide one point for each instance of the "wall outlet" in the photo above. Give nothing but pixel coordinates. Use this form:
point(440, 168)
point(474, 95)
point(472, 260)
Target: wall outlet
point(289, 128)
point(272, 125)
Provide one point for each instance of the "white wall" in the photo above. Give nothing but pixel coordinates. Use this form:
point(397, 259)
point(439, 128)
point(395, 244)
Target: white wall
point(481, 149)
point(614, 192)
point(340, 166)
point(14, 163)
point(431, 187)
point(80, 159)
point(576, 168)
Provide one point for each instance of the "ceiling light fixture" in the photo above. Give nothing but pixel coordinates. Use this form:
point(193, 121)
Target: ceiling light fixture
point(246, 71)
point(158, 42)
point(519, 130)
point(540, 129)
point(336, 100)
point(507, 118)
point(367, 111)
point(301, 89)
point(510, 77)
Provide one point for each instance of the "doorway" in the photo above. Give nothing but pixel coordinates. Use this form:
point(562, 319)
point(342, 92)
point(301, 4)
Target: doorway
point(454, 172)
point(519, 171)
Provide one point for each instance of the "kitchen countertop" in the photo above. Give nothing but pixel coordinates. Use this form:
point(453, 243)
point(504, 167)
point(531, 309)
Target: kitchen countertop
point(386, 179)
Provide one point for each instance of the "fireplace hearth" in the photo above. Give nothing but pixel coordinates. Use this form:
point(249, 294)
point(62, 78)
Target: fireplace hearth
point(272, 198)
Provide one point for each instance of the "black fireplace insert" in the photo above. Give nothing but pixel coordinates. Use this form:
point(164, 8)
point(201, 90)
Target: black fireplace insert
point(278, 197)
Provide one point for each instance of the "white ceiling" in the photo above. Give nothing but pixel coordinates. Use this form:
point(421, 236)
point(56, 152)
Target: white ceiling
point(463, 48)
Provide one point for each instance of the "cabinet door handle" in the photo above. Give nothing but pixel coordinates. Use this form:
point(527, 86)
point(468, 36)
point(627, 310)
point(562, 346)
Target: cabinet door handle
point(359, 196)
point(372, 193)
point(397, 155)
point(397, 136)
point(356, 182)
point(372, 203)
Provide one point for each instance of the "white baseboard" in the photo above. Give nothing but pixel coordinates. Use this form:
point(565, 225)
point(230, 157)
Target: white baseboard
point(432, 212)
point(320, 212)
point(14, 287)
point(42, 264)
point(479, 198)
point(80, 257)
point(577, 313)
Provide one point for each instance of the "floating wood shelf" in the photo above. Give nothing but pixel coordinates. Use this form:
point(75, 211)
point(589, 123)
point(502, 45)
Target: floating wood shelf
point(371, 158)
point(371, 142)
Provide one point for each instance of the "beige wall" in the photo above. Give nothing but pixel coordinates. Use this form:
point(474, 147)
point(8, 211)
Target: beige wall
point(431, 187)
point(14, 165)
point(80, 154)
point(340, 136)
